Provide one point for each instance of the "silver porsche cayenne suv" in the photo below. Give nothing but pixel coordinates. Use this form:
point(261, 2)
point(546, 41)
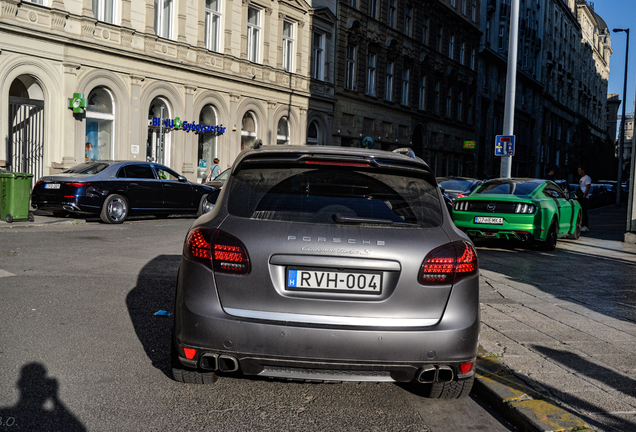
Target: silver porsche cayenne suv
point(328, 264)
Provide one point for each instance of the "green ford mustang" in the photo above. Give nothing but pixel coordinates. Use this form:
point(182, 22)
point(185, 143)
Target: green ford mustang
point(519, 208)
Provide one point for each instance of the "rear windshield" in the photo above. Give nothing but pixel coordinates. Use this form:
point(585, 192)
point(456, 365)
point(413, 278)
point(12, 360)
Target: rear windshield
point(86, 168)
point(455, 185)
point(508, 187)
point(334, 195)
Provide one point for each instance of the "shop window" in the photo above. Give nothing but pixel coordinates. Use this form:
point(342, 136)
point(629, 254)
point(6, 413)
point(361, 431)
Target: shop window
point(207, 149)
point(158, 143)
point(313, 134)
point(282, 132)
point(248, 130)
point(100, 120)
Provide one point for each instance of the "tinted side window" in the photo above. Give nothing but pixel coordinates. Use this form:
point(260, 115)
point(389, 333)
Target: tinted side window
point(136, 172)
point(318, 195)
point(87, 168)
point(166, 174)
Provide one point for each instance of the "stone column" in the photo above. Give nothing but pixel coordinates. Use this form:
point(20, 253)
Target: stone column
point(150, 17)
point(227, 38)
point(125, 13)
point(190, 142)
point(73, 126)
point(234, 136)
point(201, 23)
point(300, 47)
point(181, 22)
point(138, 117)
point(266, 28)
point(243, 20)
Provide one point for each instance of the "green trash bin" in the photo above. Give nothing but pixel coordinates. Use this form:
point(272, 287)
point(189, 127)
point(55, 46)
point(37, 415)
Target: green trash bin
point(15, 196)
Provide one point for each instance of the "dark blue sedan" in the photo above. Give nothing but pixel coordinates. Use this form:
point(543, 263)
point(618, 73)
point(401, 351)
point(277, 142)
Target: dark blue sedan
point(116, 189)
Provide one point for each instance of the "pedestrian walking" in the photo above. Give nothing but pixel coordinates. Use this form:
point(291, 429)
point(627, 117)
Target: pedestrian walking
point(583, 196)
point(213, 171)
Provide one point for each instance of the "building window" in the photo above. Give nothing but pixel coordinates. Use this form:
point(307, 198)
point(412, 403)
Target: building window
point(405, 86)
point(391, 17)
point(436, 98)
point(163, 18)
point(472, 59)
point(501, 37)
point(438, 43)
point(213, 25)
point(474, 11)
point(351, 67)
point(425, 31)
point(371, 75)
point(462, 53)
point(318, 59)
point(451, 48)
point(248, 130)
point(460, 106)
point(207, 150)
point(464, 7)
point(407, 21)
point(449, 102)
point(422, 104)
point(282, 132)
point(253, 34)
point(353, 4)
point(100, 124)
point(373, 9)
point(452, 3)
point(388, 87)
point(103, 10)
point(288, 45)
point(313, 134)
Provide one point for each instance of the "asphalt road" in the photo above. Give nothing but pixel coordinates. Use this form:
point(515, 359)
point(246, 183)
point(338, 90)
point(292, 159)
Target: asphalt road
point(81, 349)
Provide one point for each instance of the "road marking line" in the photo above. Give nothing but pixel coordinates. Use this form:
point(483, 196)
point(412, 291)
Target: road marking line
point(5, 273)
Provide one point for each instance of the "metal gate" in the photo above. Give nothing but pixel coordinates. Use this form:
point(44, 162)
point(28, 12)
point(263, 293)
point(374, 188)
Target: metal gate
point(25, 145)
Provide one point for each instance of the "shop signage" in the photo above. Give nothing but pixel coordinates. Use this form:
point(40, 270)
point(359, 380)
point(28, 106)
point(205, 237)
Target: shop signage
point(469, 144)
point(176, 123)
point(77, 103)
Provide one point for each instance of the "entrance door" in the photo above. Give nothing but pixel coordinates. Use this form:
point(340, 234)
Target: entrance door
point(26, 136)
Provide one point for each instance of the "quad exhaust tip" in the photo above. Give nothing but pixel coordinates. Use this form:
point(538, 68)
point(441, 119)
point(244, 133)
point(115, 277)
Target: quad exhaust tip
point(431, 374)
point(222, 363)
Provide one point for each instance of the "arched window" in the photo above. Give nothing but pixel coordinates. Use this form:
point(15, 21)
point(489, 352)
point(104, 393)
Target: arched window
point(282, 132)
point(158, 143)
point(100, 125)
point(248, 130)
point(207, 142)
point(313, 137)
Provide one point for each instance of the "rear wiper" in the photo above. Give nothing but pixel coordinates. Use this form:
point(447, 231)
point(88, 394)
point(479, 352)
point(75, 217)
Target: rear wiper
point(340, 218)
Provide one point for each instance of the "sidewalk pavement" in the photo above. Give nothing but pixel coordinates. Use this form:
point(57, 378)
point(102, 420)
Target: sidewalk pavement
point(558, 335)
point(558, 339)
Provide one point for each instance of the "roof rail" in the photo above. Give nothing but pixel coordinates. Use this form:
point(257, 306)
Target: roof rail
point(406, 151)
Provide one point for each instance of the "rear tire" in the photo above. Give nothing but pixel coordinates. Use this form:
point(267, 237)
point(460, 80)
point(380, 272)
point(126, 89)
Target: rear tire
point(449, 390)
point(201, 210)
point(186, 375)
point(576, 234)
point(551, 240)
point(115, 209)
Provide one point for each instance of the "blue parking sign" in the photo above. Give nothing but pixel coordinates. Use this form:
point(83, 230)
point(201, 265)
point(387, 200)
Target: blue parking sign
point(505, 145)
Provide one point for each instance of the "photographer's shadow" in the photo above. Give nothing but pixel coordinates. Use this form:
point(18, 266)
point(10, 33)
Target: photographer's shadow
point(155, 291)
point(39, 407)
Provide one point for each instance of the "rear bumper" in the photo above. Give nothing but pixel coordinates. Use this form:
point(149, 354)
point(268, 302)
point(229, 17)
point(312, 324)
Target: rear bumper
point(518, 227)
point(279, 349)
point(73, 205)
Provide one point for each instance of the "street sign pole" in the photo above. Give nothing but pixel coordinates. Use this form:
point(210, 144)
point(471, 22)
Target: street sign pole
point(511, 85)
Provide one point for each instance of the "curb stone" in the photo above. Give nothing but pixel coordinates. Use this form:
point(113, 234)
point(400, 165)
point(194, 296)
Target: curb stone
point(526, 408)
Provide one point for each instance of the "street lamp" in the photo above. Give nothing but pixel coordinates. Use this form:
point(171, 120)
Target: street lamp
point(621, 140)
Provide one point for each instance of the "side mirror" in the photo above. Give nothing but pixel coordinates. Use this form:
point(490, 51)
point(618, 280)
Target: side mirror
point(210, 201)
point(182, 179)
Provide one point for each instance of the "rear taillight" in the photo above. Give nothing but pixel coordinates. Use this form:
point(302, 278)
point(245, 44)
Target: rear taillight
point(460, 195)
point(77, 184)
point(218, 250)
point(461, 205)
point(524, 208)
point(448, 264)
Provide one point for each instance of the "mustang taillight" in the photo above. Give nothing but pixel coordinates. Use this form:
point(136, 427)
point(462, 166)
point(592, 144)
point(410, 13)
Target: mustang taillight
point(448, 264)
point(461, 205)
point(524, 208)
point(218, 250)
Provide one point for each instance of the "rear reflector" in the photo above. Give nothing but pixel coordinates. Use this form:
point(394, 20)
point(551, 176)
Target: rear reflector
point(448, 264)
point(189, 353)
point(466, 367)
point(218, 250)
point(336, 163)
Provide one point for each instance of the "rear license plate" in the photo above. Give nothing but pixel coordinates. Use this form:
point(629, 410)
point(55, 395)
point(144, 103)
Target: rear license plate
point(489, 220)
point(318, 280)
point(52, 186)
